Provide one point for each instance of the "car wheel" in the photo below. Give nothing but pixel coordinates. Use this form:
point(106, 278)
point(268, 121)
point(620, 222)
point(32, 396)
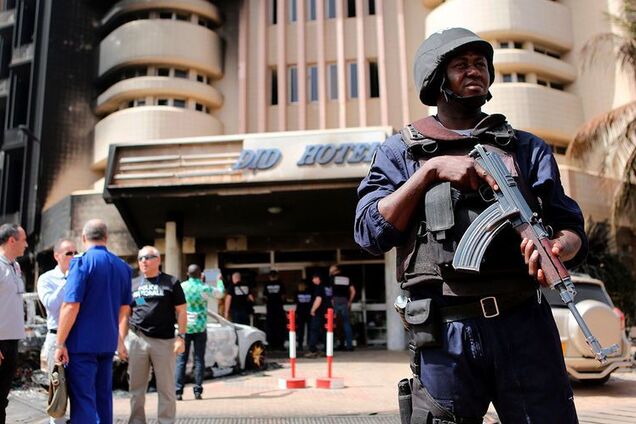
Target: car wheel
point(120, 375)
point(255, 359)
point(595, 381)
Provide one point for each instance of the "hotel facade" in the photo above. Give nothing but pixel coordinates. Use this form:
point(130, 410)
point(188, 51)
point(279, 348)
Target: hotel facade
point(233, 134)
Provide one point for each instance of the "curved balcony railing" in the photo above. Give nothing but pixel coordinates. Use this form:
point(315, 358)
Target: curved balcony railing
point(551, 114)
point(156, 41)
point(150, 123)
point(517, 60)
point(134, 88)
point(200, 7)
point(545, 21)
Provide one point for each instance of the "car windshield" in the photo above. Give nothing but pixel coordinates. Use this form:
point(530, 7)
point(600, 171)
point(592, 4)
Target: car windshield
point(583, 292)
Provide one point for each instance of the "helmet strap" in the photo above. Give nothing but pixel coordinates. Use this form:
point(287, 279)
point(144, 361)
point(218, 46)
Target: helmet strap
point(467, 103)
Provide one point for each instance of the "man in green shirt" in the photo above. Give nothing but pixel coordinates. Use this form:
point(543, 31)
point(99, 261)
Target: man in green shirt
point(197, 294)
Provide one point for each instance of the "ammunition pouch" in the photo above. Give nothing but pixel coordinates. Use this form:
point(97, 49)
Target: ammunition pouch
point(424, 323)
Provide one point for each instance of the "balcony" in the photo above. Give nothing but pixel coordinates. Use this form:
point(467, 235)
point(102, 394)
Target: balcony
point(23, 54)
point(546, 22)
point(162, 42)
point(4, 87)
point(518, 60)
point(135, 88)
point(200, 7)
point(150, 123)
point(546, 112)
point(7, 20)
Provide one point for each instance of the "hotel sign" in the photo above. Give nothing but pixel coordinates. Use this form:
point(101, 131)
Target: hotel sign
point(251, 158)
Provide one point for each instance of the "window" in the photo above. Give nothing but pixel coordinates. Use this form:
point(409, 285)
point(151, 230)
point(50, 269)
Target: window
point(371, 7)
point(542, 82)
point(162, 102)
point(201, 78)
point(163, 72)
point(274, 11)
point(293, 84)
point(351, 8)
point(202, 22)
point(293, 11)
point(374, 80)
point(274, 87)
point(518, 45)
point(140, 102)
point(165, 15)
point(556, 86)
point(199, 107)
point(353, 80)
point(183, 17)
point(521, 77)
point(333, 81)
point(331, 9)
point(181, 73)
point(313, 83)
point(507, 77)
point(504, 45)
point(179, 103)
point(311, 10)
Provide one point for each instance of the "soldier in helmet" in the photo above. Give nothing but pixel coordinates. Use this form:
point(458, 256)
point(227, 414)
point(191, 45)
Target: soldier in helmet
point(420, 195)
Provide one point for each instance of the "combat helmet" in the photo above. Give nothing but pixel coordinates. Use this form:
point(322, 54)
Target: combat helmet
point(433, 54)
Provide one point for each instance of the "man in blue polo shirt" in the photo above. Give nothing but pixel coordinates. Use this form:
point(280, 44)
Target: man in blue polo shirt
point(97, 298)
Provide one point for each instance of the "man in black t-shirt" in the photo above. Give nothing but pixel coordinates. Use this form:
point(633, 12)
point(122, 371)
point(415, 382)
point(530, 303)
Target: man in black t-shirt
point(158, 304)
point(275, 318)
point(343, 294)
point(303, 300)
point(238, 301)
point(321, 300)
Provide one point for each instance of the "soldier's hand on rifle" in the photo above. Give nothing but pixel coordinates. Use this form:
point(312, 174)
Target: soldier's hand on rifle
point(565, 246)
point(461, 171)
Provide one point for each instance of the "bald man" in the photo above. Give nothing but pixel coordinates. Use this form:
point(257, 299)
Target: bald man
point(97, 296)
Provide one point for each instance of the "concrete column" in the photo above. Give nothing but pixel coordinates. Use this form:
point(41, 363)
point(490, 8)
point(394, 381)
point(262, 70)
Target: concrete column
point(172, 261)
point(395, 334)
point(211, 260)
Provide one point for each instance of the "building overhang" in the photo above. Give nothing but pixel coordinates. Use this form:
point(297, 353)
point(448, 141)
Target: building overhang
point(253, 185)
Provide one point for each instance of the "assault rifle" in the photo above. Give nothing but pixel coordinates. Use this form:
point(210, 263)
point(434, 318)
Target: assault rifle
point(511, 208)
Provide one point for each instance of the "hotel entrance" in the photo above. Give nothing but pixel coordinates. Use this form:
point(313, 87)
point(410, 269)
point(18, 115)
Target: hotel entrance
point(368, 317)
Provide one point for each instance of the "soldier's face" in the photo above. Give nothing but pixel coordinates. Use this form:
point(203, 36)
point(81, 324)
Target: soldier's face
point(467, 74)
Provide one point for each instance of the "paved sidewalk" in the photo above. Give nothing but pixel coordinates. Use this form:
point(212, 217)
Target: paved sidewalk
point(370, 378)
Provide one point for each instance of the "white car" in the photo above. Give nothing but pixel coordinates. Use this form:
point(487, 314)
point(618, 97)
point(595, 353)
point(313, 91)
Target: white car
point(606, 322)
point(230, 348)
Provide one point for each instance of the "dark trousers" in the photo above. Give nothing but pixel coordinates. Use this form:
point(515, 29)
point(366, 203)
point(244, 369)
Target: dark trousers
point(275, 328)
point(240, 316)
point(302, 320)
point(341, 308)
point(199, 340)
point(9, 349)
point(315, 331)
point(89, 380)
point(513, 360)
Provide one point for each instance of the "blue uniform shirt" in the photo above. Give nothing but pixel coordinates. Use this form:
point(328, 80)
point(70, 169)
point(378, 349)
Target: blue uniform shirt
point(391, 168)
point(101, 283)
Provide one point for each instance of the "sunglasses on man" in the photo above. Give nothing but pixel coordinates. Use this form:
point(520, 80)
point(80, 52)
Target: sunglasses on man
point(147, 257)
point(70, 253)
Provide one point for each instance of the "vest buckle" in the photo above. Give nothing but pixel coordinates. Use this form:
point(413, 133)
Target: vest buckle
point(489, 307)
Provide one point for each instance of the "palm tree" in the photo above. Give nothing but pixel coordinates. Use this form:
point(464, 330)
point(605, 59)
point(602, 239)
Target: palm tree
point(614, 132)
point(602, 263)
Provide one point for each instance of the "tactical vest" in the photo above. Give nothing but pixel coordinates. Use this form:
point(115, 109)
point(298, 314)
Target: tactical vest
point(441, 220)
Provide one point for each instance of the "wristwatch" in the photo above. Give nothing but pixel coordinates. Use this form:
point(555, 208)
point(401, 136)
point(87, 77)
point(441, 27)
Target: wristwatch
point(182, 335)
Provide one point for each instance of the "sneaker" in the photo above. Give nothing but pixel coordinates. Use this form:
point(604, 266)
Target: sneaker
point(311, 355)
point(198, 396)
point(179, 397)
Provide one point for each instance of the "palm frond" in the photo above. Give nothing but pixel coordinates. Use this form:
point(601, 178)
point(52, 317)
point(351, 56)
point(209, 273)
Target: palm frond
point(602, 131)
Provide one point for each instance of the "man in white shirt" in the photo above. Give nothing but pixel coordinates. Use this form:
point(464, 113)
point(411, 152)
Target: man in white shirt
point(12, 245)
point(51, 293)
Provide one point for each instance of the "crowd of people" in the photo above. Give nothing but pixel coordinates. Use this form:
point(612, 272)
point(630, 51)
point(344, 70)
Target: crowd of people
point(96, 309)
